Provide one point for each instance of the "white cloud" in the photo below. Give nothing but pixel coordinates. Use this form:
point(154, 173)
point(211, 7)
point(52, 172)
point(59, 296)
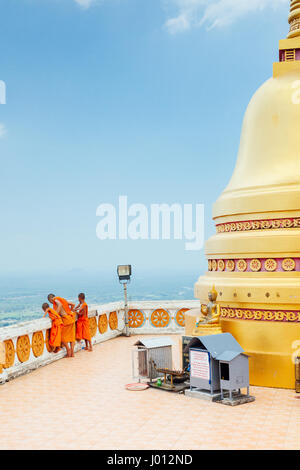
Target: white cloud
point(2, 130)
point(178, 24)
point(85, 3)
point(213, 13)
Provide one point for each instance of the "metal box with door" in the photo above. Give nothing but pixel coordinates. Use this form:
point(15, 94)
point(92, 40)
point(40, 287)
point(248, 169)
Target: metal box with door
point(204, 371)
point(148, 351)
point(217, 363)
point(234, 371)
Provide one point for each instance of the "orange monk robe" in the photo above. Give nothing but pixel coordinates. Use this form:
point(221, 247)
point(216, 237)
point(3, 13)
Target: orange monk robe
point(68, 329)
point(83, 324)
point(55, 332)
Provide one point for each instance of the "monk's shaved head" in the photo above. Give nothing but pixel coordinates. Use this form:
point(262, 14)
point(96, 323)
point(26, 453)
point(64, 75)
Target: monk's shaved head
point(50, 297)
point(81, 296)
point(45, 306)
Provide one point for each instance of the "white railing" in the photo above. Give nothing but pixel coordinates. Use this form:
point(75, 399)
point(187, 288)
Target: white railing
point(159, 317)
point(27, 346)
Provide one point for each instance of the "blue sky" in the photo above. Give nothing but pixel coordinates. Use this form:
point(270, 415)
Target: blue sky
point(143, 98)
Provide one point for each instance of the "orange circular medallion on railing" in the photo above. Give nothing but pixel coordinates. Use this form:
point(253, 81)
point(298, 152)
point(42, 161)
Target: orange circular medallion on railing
point(47, 338)
point(160, 318)
point(113, 320)
point(93, 326)
point(136, 318)
point(9, 353)
point(103, 323)
point(180, 316)
point(37, 343)
point(23, 348)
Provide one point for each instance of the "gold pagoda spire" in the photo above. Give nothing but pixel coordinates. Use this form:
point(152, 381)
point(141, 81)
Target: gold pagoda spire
point(294, 19)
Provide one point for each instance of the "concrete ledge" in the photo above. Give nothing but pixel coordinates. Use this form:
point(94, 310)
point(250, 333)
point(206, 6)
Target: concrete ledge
point(237, 400)
point(203, 395)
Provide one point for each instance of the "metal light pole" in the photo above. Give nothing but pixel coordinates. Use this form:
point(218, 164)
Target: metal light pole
point(127, 333)
point(124, 273)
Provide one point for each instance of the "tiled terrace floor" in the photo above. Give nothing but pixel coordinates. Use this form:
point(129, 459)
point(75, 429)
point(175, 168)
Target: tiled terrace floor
point(81, 403)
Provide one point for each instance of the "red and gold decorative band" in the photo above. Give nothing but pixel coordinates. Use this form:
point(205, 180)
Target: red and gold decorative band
point(255, 265)
point(289, 316)
point(258, 225)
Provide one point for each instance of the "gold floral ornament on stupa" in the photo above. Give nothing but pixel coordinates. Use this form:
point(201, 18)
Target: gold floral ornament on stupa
point(208, 322)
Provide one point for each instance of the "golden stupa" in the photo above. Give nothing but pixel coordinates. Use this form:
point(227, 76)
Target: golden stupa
point(254, 258)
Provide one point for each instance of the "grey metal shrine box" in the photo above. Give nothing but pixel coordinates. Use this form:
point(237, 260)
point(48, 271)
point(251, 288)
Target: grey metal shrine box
point(217, 363)
point(158, 350)
point(204, 371)
point(234, 371)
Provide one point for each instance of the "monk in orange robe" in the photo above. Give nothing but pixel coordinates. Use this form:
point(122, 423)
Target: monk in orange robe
point(55, 332)
point(83, 324)
point(64, 308)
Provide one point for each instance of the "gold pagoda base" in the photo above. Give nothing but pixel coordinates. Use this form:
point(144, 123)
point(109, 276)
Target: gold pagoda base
point(268, 329)
point(272, 348)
